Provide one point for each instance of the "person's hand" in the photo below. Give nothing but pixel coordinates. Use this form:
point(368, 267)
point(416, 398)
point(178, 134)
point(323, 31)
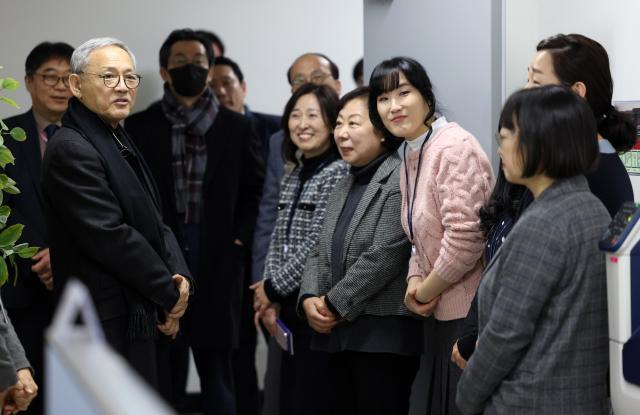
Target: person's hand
point(457, 358)
point(21, 394)
point(170, 327)
point(268, 318)
point(42, 267)
point(3, 396)
point(318, 315)
point(260, 299)
point(414, 305)
point(181, 305)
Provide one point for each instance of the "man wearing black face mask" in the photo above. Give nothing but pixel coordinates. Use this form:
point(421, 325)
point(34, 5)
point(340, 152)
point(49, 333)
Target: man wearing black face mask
point(209, 173)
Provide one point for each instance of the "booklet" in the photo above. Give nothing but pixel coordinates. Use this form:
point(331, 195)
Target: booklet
point(284, 337)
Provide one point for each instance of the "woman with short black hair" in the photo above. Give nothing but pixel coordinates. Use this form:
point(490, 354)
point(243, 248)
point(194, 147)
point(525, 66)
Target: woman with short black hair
point(446, 178)
point(542, 302)
point(354, 282)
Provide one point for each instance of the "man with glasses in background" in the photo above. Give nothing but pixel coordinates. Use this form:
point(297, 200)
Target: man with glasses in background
point(29, 301)
point(103, 213)
point(209, 173)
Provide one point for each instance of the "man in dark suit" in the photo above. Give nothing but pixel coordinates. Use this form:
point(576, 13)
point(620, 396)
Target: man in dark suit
point(103, 212)
point(29, 300)
point(209, 174)
point(230, 87)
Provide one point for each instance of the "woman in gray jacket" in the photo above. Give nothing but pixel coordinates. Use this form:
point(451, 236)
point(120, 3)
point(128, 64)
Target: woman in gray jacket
point(354, 281)
point(542, 302)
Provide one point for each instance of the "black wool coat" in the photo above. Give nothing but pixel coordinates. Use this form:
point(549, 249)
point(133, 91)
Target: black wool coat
point(231, 192)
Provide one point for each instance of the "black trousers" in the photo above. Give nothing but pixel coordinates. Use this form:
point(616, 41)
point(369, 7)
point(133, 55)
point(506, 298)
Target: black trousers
point(244, 360)
point(371, 383)
point(303, 376)
point(216, 380)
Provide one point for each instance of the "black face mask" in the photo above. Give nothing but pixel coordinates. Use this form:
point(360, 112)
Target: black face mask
point(189, 80)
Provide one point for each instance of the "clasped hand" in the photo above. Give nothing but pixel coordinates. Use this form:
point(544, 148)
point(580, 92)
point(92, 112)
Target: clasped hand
point(260, 299)
point(319, 317)
point(171, 326)
point(423, 309)
point(19, 396)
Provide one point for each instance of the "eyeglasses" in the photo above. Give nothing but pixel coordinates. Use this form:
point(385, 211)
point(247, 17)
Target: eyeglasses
point(316, 78)
point(131, 80)
point(52, 80)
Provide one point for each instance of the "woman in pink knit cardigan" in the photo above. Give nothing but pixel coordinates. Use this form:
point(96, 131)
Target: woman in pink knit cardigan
point(446, 179)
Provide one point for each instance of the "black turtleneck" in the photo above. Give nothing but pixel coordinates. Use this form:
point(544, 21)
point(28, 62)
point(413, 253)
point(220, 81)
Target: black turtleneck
point(310, 166)
point(361, 178)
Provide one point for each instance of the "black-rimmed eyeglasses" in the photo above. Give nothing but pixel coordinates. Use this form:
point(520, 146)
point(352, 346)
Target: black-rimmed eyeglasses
point(131, 80)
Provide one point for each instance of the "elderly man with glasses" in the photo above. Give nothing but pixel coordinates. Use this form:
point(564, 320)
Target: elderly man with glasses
point(29, 301)
point(103, 212)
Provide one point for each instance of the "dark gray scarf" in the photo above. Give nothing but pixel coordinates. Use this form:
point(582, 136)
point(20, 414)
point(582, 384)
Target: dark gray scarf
point(189, 149)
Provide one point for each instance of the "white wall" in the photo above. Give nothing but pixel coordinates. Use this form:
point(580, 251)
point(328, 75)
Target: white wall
point(613, 23)
point(263, 36)
point(459, 42)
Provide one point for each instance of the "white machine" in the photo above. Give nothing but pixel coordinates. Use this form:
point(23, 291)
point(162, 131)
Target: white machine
point(621, 243)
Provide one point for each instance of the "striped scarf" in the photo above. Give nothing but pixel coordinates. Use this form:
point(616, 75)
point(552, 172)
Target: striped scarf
point(189, 149)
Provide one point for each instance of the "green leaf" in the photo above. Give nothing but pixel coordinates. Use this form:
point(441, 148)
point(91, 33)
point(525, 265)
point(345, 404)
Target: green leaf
point(27, 252)
point(5, 211)
point(9, 236)
point(12, 190)
point(3, 126)
point(18, 134)
point(4, 272)
point(6, 157)
point(10, 102)
point(6, 181)
point(9, 84)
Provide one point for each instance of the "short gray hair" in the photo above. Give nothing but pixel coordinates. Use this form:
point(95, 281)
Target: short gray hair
point(80, 57)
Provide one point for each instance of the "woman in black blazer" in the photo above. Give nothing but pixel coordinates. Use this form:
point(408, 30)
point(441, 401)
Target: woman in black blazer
point(354, 282)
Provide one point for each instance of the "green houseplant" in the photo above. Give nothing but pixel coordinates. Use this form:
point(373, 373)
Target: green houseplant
point(9, 236)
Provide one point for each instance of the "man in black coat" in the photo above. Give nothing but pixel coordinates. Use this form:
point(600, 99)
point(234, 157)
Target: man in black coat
point(103, 212)
point(230, 87)
point(209, 174)
point(29, 301)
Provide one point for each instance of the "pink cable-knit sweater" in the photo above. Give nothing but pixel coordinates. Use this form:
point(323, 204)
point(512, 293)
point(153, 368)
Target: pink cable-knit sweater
point(455, 181)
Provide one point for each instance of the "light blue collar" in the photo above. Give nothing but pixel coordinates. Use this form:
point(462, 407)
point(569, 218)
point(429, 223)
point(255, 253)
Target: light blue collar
point(606, 147)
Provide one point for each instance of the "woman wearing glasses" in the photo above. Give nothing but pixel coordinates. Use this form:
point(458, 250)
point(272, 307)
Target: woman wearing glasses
point(542, 303)
point(445, 180)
